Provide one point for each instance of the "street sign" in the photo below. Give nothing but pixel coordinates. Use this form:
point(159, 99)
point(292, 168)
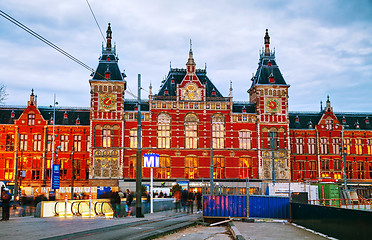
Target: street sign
point(56, 175)
point(151, 160)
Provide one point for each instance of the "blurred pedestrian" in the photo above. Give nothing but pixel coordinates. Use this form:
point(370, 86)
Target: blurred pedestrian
point(198, 197)
point(148, 200)
point(177, 201)
point(190, 203)
point(129, 201)
point(115, 203)
point(5, 196)
point(184, 197)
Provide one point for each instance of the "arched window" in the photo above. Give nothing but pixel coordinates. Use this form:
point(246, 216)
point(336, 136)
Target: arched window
point(273, 138)
point(132, 167)
point(191, 167)
point(218, 131)
point(106, 136)
point(31, 119)
point(133, 138)
point(245, 167)
point(164, 123)
point(164, 169)
point(218, 167)
point(191, 131)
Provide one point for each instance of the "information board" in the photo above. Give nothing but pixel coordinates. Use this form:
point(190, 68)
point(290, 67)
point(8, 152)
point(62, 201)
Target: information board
point(56, 176)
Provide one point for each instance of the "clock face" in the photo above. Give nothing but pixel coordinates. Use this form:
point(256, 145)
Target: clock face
point(272, 105)
point(107, 101)
point(191, 92)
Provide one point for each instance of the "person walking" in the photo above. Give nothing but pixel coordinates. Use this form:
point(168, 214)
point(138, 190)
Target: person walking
point(129, 201)
point(198, 201)
point(184, 197)
point(190, 203)
point(5, 196)
point(177, 199)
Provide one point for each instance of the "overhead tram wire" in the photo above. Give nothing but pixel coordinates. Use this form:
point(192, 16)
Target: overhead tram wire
point(17, 23)
point(95, 19)
point(46, 41)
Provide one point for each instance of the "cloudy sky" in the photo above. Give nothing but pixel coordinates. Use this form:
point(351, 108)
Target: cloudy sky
point(322, 47)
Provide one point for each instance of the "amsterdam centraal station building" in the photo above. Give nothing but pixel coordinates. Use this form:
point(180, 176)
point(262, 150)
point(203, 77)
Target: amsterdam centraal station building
point(187, 122)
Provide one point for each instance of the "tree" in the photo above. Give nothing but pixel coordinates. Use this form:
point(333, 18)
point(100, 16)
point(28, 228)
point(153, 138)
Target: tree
point(3, 93)
point(176, 188)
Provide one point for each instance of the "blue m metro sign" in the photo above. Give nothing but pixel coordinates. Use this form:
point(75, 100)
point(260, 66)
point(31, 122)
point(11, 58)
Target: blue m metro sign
point(151, 160)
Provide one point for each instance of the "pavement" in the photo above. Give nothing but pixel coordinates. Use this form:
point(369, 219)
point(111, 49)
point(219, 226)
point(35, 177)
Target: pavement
point(151, 225)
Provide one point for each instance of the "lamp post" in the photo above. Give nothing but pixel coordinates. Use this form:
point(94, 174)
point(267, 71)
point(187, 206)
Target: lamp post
point(343, 155)
point(272, 135)
point(211, 162)
point(53, 137)
point(73, 174)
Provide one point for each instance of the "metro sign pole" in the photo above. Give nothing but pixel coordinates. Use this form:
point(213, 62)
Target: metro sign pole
point(151, 160)
point(139, 156)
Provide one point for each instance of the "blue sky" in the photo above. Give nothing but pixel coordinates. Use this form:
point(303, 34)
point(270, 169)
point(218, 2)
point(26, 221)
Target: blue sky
point(322, 47)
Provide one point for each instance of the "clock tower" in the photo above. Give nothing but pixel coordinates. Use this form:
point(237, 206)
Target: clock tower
point(269, 92)
point(107, 118)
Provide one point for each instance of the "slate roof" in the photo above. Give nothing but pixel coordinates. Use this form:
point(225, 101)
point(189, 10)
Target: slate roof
point(178, 74)
point(249, 107)
point(108, 62)
point(130, 104)
point(47, 113)
point(352, 120)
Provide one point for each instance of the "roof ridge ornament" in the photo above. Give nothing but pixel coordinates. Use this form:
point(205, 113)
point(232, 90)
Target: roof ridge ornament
point(267, 43)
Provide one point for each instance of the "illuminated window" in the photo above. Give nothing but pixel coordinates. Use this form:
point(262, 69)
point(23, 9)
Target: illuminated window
point(132, 167)
point(77, 143)
point(300, 169)
point(23, 142)
point(218, 167)
point(358, 146)
point(191, 131)
point(88, 143)
point(311, 145)
point(313, 169)
point(299, 145)
point(218, 131)
point(191, 167)
point(133, 138)
point(8, 171)
point(349, 169)
point(245, 139)
point(323, 146)
point(50, 142)
point(31, 119)
point(37, 142)
point(164, 123)
point(360, 170)
point(337, 164)
point(369, 146)
point(64, 143)
point(325, 166)
point(164, 169)
point(370, 169)
point(9, 142)
point(106, 136)
point(347, 145)
point(245, 167)
point(336, 145)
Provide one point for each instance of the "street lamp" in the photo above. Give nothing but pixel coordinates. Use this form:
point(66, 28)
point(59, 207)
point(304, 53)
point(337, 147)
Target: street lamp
point(343, 154)
point(73, 174)
point(53, 137)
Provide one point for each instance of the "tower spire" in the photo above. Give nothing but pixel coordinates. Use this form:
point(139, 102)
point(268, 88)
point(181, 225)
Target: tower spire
point(190, 62)
point(108, 37)
point(267, 43)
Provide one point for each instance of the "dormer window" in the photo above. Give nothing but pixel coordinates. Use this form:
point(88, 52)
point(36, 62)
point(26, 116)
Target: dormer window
point(166, 92)
point(12, 114)
point(357, 124)
point(343, 120)
point(65, 116)
point(213, 92)
point(77, 121)
point(297, 119)
point(310, 124)
point(108, 59)
point(107, 75)
point(51, 120)
point(367, 120)
point(136, 108)
point(172, 81)
point(269, 63)
point(244, 110)
point(31, 119)
point(271, 78)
